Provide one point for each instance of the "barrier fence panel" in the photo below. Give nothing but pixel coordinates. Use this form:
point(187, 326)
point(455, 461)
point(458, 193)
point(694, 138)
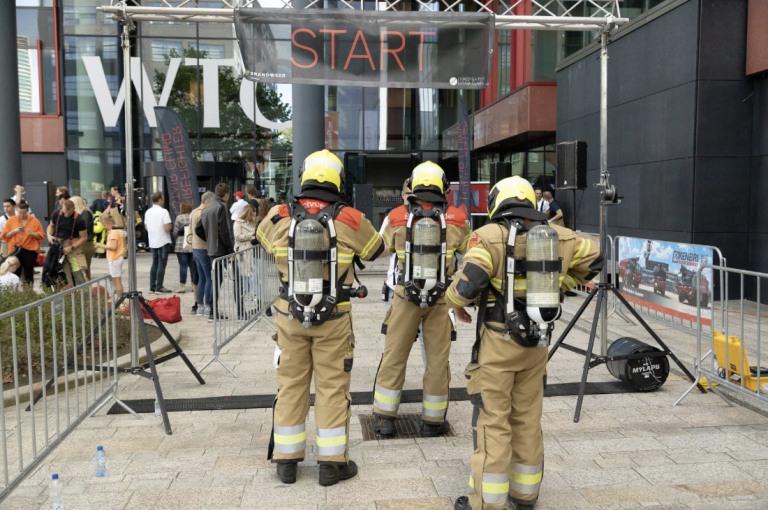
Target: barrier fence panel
point(245, 284)
point(732, 354)
point(660, 280)
point(67, 334)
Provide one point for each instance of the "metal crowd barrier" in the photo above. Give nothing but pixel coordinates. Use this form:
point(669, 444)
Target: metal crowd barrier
point(657, 315)
point(245, 284)
point(734, 357)
point(67, 334)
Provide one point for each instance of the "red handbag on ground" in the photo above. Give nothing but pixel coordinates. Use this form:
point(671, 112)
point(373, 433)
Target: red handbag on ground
point(167, 309)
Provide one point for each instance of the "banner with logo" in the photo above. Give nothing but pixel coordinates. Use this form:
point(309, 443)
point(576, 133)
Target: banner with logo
point(366, 48)
point(478, 196)
point(177, 156)
point(464, 159)
point(663, 276)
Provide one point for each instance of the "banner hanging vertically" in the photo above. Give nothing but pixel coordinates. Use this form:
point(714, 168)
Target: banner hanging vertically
point(366, 48)
point(465, 177)
point(177, 156)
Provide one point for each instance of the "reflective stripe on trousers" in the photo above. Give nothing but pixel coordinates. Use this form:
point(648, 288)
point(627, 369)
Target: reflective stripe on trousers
point(495, 487)
point(435, 406)
point(525, 479)
point(386, 400)
point(290, 439)
point(331, 441)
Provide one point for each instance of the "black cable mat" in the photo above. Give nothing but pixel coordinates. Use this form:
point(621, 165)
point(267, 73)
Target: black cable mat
point(147, 406)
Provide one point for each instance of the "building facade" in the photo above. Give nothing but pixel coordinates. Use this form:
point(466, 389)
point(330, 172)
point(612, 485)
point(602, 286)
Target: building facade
point(72, 91)
point(687, 118)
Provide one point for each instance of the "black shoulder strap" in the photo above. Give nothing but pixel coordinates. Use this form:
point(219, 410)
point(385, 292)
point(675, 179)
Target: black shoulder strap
point(480, 320)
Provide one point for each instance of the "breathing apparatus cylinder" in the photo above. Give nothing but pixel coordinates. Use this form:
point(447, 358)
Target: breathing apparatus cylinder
point(543, 288)
point(308, 274)
point(425, 265)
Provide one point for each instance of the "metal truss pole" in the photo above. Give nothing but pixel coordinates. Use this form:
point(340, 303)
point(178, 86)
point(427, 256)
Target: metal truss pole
point(130, 222)
point(604, 182)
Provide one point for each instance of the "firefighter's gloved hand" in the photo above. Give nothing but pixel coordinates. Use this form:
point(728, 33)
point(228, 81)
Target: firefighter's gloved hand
point(462, 315)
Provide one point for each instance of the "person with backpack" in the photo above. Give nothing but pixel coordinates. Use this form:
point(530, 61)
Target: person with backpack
point(69, 230)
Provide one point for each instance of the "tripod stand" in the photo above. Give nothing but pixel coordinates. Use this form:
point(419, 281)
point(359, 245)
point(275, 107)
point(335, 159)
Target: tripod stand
point(592, 360)
point(137, 304)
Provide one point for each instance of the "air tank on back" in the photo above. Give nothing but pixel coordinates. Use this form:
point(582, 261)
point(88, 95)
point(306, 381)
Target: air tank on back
point(543, 288)
point(425, 265)
point(308, 274)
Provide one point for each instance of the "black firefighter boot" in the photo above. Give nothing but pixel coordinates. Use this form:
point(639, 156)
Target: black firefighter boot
point(384, 426)
point(331, 474)
point(287, 471)
point(518, 504)
point(462, 503)
point(434, 429)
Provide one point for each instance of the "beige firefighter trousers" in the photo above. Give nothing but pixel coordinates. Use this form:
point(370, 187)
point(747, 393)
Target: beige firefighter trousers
point(327, 350)
point(402, 325)
point(506, 388)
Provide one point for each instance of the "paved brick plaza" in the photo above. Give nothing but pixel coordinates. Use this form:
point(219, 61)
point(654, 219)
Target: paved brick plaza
point(628, 451)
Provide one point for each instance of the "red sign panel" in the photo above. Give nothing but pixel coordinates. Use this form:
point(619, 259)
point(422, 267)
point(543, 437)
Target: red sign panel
point(479, 196)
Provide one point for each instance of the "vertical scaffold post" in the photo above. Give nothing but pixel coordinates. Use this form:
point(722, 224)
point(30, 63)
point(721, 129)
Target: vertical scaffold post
point(604, 184)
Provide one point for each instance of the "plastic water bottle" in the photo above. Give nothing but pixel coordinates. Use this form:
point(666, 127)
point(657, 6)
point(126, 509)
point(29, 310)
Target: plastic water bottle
point(101, 462)
point(55, 494)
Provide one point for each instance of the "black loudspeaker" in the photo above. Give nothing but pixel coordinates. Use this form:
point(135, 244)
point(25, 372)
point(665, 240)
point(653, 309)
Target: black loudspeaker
point(499, 171)
point(572, 165)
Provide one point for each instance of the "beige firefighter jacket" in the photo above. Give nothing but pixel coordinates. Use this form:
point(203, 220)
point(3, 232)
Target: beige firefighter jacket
point(484, 263)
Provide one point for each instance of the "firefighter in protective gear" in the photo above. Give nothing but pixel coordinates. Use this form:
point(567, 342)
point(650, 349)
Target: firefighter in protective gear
point(99, 235)
point(506, 377)
point(413, 306)
point(325, 345)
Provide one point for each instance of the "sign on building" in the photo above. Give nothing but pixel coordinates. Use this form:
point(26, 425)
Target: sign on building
point(366, 48)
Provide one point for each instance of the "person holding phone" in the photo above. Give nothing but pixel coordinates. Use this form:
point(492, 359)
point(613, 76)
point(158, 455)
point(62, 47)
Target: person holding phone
point(25, 232)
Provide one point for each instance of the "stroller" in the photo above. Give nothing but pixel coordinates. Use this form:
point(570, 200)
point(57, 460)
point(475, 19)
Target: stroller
point(12, 254)
point(53, 268)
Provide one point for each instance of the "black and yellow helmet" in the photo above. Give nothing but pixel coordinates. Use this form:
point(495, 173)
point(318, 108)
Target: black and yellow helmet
point(428, 182)
point(508, 193)
point(322, 176)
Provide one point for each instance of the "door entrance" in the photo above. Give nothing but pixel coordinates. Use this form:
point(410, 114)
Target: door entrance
point(385, 173)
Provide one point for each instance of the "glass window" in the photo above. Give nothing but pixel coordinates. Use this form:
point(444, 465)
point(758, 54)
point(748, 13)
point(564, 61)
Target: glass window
point(161, 50)
point(36, 50)
point(212, 50)
point(92, 171)
point(80, 17)
point(92, 111)
point(504, 61)
point(543, 55)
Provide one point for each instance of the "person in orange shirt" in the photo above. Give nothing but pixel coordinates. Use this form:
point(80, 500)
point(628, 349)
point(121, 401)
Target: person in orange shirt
point(114, 248)
point(26, 232)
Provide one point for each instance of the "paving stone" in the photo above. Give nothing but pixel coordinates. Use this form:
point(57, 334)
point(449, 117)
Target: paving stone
point(722, 489)
point(276, 494)
point(415, 504)
point(721, 472)
point(363, 491)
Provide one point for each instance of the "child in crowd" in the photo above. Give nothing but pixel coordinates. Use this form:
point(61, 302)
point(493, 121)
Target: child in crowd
point(114, 248)
point(7, 276)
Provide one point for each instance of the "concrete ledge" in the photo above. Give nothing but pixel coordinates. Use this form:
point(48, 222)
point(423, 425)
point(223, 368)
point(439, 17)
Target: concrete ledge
point(159, 347)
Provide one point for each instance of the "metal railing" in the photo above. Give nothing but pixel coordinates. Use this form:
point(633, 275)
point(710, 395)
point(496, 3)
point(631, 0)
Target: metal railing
point(737, 363)
point(245, 284)
point(70, 336)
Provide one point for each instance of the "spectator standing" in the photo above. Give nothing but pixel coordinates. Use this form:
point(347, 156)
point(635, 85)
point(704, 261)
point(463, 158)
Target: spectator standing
point(202, 306)
point(61, 190)
point(245, 228)
point(253, 194)
point(214, 226)
point(158, 223)
point(541, 204)
point(184, 255)
point(555, 211)
point(237, 206)
point(26, 232)
point(81, 207)
point(9, 210)
point(115, 208)
point(8, 278)
point(115, 247)
point(101, 204)
point(69, 230)
point(20, 195)
point(264, 207)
